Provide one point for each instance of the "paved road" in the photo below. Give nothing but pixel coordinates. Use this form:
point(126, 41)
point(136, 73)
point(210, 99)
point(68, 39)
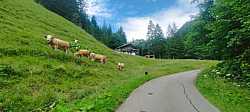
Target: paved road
point(174, 93)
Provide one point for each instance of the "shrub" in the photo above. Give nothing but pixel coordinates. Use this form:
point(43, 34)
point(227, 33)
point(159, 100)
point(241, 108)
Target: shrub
point(237, 70)
point(75, 46)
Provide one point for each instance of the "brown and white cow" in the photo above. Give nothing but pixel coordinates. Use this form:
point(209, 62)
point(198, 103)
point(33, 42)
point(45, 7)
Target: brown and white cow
point(120, 66)
point(98, 57)
point(82, 53)
point(56, 43)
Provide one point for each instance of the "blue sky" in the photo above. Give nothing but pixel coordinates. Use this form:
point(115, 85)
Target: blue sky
point(133, 15)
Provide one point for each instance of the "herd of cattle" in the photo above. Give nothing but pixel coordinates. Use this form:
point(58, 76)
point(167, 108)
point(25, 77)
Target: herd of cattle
point(57, 43)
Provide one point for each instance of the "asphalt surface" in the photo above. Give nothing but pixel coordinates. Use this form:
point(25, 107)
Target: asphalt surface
point(174, 93)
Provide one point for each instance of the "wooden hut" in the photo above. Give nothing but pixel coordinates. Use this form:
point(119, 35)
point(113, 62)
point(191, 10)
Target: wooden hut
point(128, 49)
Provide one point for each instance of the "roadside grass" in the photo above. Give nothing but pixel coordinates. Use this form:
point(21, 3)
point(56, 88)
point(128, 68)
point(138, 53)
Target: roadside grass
point(33, 77)
point(226, 95)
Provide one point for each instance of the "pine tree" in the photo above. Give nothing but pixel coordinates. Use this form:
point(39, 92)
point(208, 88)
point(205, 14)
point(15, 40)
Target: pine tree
point(109, 36)
point(151, 30)
point(85, 22)
point(104, 31)
point(158, 33)
point(122, 35)
point(171, 30)
point(69, 9)
point(93, 22)
point(155, 42)
point(95, 30)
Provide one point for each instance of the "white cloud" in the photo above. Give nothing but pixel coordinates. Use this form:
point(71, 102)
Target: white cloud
point(136, 27)
point(97, 8)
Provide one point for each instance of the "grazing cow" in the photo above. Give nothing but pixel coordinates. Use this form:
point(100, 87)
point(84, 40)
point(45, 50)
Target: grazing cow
point(56, 43)
point(99, 57)
point(120, 66)
point(81, 53)
point(149, 56)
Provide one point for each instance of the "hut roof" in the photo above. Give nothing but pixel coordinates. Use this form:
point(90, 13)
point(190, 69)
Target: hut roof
point(125, 45)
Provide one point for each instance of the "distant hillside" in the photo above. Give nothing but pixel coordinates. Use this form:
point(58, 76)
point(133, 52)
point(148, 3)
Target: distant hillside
point(186, 28)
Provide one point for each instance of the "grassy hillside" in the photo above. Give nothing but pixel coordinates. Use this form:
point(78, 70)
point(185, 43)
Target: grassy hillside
point(33, 77)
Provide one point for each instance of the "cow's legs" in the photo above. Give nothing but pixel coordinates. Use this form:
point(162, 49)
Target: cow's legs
point(66, 51)
point(55, 47)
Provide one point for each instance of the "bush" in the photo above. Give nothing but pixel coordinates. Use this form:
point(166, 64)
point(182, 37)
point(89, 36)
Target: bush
point(237, 70)
point(74, 46)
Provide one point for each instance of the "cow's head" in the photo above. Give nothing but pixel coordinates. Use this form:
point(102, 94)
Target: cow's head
point(92, 55)
point(48, 37)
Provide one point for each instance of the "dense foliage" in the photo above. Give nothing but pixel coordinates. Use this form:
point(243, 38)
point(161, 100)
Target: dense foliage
point(74, 11)
point(221, 31)
point(226, 29)
point(155, 42)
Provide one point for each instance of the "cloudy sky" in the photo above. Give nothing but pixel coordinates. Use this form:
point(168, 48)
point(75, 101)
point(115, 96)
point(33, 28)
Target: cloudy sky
point(134, 15)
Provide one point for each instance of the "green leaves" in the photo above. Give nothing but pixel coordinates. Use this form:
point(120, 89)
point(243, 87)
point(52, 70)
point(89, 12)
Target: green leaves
point(222, 31)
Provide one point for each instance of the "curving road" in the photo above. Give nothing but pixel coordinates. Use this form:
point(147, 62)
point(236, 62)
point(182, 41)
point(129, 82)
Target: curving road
point(174, 93)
